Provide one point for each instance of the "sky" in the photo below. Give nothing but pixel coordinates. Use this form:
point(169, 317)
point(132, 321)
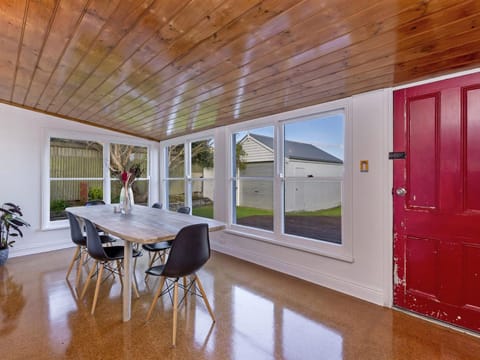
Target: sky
point(326, 133)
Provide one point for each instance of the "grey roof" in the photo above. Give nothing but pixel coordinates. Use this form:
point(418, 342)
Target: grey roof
point(300, 151)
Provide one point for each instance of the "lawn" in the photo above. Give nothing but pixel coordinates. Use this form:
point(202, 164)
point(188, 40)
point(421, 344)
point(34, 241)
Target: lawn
point(242, 212)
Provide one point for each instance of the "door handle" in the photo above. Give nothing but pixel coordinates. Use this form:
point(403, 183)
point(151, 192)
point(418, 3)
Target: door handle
point(401, 191)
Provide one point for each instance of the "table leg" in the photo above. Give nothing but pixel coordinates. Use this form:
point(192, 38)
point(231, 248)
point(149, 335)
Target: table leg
point(127, 281)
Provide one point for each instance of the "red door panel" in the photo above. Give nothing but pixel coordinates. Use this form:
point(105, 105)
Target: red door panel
point(437, 217)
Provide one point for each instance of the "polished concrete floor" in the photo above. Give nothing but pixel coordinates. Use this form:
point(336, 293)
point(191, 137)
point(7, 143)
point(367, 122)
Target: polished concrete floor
point(261, 314)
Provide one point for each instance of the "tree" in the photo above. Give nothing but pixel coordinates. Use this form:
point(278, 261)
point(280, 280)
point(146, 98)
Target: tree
point(202, 154)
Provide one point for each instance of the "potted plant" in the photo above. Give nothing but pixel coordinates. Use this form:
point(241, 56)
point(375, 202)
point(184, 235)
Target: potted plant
point(10, 223)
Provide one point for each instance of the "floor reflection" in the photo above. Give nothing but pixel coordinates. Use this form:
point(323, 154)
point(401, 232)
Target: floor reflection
point(320, 340)
point(261, 314)
point(12, 302)
point(264, 329)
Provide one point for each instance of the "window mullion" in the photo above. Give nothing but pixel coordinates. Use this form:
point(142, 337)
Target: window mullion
point(188, 174)
point(278, 181)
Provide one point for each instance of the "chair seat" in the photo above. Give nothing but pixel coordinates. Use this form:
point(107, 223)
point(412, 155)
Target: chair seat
point(156, 270)
point(117, 252)
point(105, 239)
point(160, 246)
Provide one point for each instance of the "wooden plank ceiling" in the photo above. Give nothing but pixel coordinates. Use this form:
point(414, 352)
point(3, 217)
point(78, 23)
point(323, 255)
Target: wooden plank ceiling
point(158, 69)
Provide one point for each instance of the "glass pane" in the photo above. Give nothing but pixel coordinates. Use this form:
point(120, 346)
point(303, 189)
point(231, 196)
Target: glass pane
point(313, 209)
point(139, 188)
point(254, 203)
point(176, 161)
point(125, 157)
point(65, 193)
point(202, 159)
point(313, 161)
point(176, 194)
point(202, 198)
point(315, 147)
point(254, 152)
point(75, 159)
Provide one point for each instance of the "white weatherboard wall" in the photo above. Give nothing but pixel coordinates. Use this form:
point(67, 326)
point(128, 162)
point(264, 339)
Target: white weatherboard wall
point(366, 276)
point(21, 151)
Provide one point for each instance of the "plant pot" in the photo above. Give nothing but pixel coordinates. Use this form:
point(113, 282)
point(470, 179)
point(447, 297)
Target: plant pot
point(3, 256)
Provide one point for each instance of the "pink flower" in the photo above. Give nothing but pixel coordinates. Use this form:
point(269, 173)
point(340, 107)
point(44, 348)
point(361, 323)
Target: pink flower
point(125, 177)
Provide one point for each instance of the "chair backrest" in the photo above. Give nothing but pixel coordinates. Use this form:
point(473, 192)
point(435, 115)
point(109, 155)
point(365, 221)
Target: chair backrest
point(75, 230)
point(94, 243)
point(190, 251)
point(184, 210)
point(94, 202)
point(157, 205)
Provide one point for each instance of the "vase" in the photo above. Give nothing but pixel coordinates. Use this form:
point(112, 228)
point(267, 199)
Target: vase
point(3, 256)
point(126, 200)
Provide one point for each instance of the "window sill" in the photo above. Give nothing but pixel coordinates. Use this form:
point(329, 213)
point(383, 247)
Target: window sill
point(337, 252)
point(57, 225)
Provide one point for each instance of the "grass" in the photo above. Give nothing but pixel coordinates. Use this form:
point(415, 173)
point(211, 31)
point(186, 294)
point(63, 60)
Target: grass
point(336, 211)
point(242, 212)
point(203, 211)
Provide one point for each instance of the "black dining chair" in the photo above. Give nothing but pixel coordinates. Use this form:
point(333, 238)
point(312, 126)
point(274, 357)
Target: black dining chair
point(190, 251)
point(184, 210)
point(80, 240)
point(104, 257)
point(160, 249)
point(157, 205)
point(94, 202)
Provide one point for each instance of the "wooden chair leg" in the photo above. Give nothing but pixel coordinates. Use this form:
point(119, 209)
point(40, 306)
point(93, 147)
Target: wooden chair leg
point(97, 287)
point(135, 287)
point(152, 260)
point(185, 290)
point(75, 257)
point(175, 306)
point(119, 269)
point(83, 255)
point(155, 297)
point(90, 274)
point(202, 291)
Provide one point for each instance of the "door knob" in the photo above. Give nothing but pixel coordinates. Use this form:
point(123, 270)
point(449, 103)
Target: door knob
point(401, 191)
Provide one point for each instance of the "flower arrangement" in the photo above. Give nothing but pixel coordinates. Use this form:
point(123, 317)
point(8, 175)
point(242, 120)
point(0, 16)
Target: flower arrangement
point(128, 177)
point(10, 223)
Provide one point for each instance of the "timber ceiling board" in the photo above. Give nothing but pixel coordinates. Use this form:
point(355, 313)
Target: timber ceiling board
point(159, 69)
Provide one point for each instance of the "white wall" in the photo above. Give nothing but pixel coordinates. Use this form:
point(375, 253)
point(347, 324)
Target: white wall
point(21, 149)
point(367, 275)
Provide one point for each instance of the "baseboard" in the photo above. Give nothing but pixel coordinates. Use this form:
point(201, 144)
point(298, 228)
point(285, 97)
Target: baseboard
point(39, 249)
point(341, 285)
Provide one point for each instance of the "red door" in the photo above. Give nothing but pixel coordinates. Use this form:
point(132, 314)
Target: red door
point(436, 191)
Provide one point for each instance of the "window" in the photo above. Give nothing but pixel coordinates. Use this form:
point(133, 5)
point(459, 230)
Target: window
point(252, 180)
point(289, 184)
point(76, 174)
point(77, 170)
point(189, 176)
point(176, 176)
point(122, 158)
point(313, 168)
point(203, 173)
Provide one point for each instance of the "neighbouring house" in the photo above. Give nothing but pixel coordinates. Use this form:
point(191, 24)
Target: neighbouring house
point(313, 176)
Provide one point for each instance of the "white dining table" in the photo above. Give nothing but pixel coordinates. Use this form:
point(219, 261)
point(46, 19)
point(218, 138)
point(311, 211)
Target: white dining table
point(144, 225)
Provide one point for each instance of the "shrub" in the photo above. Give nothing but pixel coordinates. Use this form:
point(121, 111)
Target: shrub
point(95, 193)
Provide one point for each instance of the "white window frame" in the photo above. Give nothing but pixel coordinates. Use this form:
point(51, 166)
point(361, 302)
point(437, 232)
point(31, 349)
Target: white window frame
point(343, 251)
point(105, 141)
point(187, 141)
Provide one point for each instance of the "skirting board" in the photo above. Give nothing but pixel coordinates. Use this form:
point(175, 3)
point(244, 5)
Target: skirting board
point(40, 249)
point(347, 287)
